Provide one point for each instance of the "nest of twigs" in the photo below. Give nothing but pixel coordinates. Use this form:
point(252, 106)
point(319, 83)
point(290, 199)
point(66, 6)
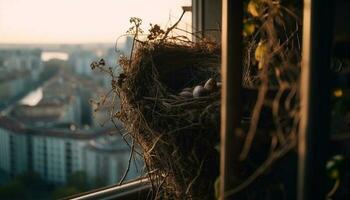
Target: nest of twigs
point(177, 134)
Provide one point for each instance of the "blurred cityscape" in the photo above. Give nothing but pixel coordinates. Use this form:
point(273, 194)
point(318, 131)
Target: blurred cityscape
point(52, 142)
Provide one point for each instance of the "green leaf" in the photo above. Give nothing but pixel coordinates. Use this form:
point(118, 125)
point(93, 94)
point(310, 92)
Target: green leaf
point(248, 28)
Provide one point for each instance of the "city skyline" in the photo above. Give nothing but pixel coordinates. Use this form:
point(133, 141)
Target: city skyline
point(49, 128)
point(80, 21)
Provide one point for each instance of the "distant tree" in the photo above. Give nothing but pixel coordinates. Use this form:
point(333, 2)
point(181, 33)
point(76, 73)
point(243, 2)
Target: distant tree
point(64, 192)
point(78, 180)
point(29, 178)
point(13, 191)
point(99, 182)
point(28, 186)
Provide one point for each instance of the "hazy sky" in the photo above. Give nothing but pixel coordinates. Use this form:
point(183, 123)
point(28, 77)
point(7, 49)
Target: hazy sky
point(80, 21)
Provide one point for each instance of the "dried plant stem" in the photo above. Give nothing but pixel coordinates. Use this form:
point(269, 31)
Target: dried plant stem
point(262, 168)
point(129, 163)
point(254, 122)
point(333, 190)
point(195, 178)
point(173, 26)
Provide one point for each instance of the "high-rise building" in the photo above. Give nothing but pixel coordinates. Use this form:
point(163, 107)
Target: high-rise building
point(56, 154)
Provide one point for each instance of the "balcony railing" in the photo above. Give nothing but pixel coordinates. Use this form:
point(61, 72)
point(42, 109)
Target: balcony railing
point(139, 189)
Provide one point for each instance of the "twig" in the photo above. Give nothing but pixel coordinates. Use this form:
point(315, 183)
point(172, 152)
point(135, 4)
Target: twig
point(173, 26)
point(154, 145)
point(160, 185)
point(333, 190)
point(123, 137)
point(254, 124)
point(195, 178)
point(275, 113)
point(129, 163)
point(262, 168)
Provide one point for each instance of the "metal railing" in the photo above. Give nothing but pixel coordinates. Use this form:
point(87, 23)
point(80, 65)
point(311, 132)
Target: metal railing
point(133, 190)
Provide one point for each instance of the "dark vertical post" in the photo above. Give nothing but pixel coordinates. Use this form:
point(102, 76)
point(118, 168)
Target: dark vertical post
point(206, 18)
point(212, 19)
point(231, 69)
point(197, 16)
point(315, 100)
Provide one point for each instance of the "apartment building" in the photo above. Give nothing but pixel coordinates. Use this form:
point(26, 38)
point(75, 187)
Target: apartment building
point(56, 154)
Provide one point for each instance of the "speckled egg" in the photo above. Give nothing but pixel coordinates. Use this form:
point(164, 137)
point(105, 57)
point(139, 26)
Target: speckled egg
point(200, 91)
point(210, 85)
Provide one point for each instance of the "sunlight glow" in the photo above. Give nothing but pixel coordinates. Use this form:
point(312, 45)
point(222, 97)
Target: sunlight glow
point(46, 56)
point(81, 21)
point(33, 98)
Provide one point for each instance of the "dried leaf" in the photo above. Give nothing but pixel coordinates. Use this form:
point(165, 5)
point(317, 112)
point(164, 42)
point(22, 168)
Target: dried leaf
point(253, 9)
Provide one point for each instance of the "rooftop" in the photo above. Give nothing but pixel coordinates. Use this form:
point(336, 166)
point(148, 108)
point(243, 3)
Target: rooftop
point(17, 127)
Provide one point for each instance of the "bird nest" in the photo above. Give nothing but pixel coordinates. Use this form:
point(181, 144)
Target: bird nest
point(175, 123)
point(170, 104)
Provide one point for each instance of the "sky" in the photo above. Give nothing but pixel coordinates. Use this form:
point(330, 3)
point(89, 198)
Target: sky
point(82, 21)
